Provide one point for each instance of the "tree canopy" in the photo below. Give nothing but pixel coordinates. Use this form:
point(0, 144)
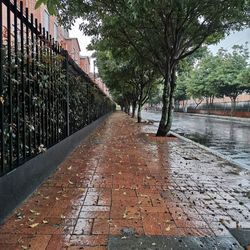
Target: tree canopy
point(224, 74)
point(163, 32)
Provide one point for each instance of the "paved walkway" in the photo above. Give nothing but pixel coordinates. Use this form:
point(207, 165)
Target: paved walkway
point(123, 180)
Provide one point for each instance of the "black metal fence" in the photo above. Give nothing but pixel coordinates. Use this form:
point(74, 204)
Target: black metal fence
point(44, 95)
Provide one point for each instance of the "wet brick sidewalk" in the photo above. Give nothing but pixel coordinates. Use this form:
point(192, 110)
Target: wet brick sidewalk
point(124, 181)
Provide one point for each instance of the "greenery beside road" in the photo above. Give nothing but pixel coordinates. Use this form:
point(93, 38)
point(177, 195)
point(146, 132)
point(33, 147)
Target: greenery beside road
point(224, 74)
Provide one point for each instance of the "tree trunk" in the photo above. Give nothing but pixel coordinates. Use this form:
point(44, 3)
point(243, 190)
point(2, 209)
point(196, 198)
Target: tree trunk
point(207, 105)
point(133, 109)
point(139, 112)
point(171, 101)
point(162, 130)
point(170, 110)
point(168, 102)
point(233, 105)
point(127, 109)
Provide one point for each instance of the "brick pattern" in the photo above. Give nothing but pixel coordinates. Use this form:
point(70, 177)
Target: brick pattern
point(124, 177)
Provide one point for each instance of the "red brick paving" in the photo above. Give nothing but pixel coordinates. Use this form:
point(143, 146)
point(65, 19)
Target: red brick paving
point(123, 177)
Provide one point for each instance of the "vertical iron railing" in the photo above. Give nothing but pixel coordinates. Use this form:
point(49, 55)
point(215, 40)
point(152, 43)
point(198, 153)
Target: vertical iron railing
point(44, 95)
point(1, 93)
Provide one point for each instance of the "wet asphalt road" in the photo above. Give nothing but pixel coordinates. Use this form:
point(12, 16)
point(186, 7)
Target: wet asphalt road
point(230, 138)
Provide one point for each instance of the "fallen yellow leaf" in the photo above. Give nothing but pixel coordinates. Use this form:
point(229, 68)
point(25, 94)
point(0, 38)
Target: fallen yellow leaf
point(1, 99)
point(168, 228)
point(34, 225)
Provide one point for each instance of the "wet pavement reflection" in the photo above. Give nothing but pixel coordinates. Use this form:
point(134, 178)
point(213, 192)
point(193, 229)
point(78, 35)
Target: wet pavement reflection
point(230, 138)
point(125, 181)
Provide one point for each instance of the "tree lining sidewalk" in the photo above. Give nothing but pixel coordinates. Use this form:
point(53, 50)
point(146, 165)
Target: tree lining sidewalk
point(123, 177)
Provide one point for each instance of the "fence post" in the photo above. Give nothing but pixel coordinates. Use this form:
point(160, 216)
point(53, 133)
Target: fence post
point(1, 93)
point(88, 100)
point(10, 87)
point(66, 67)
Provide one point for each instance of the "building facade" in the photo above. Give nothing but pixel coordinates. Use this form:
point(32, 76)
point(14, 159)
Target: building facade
point(73, 47)
point(85, 63)
point(43, 17)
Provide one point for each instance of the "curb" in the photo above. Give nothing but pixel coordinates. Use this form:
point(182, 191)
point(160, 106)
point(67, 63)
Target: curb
point(225, 118)
point(219, 117)
point(242, 167)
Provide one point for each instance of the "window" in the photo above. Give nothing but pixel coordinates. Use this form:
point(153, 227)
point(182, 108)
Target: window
point(46, 20)
point(56, 31)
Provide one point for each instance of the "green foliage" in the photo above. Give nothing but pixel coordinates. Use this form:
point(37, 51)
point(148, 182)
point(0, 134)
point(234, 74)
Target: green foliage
point(181, 88)
point(34, 100)
point(51, 5)
point(155, 97)
point(231, 69)
point(226, 74)
point(203, 81)
point(185, 71)
point(29, 94)
point(162, 32)
point(129, 78)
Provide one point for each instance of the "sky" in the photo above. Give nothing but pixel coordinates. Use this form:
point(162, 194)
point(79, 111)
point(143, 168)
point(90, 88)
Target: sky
point(239, 38)
point(83, 40)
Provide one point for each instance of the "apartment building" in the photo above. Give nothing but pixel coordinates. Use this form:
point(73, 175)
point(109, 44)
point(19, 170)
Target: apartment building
point(85, 63)
point(73, 47)
point(42, 15)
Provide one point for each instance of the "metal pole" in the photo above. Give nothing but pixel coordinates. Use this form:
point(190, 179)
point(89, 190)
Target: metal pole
point(1, 95)
point(10, 89)
point(17, 142)
point(67, 93)
point(23, 83)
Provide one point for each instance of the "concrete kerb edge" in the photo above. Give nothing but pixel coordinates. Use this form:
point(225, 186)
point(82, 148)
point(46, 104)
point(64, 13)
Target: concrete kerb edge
point(224, 118)
point(242, 167)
